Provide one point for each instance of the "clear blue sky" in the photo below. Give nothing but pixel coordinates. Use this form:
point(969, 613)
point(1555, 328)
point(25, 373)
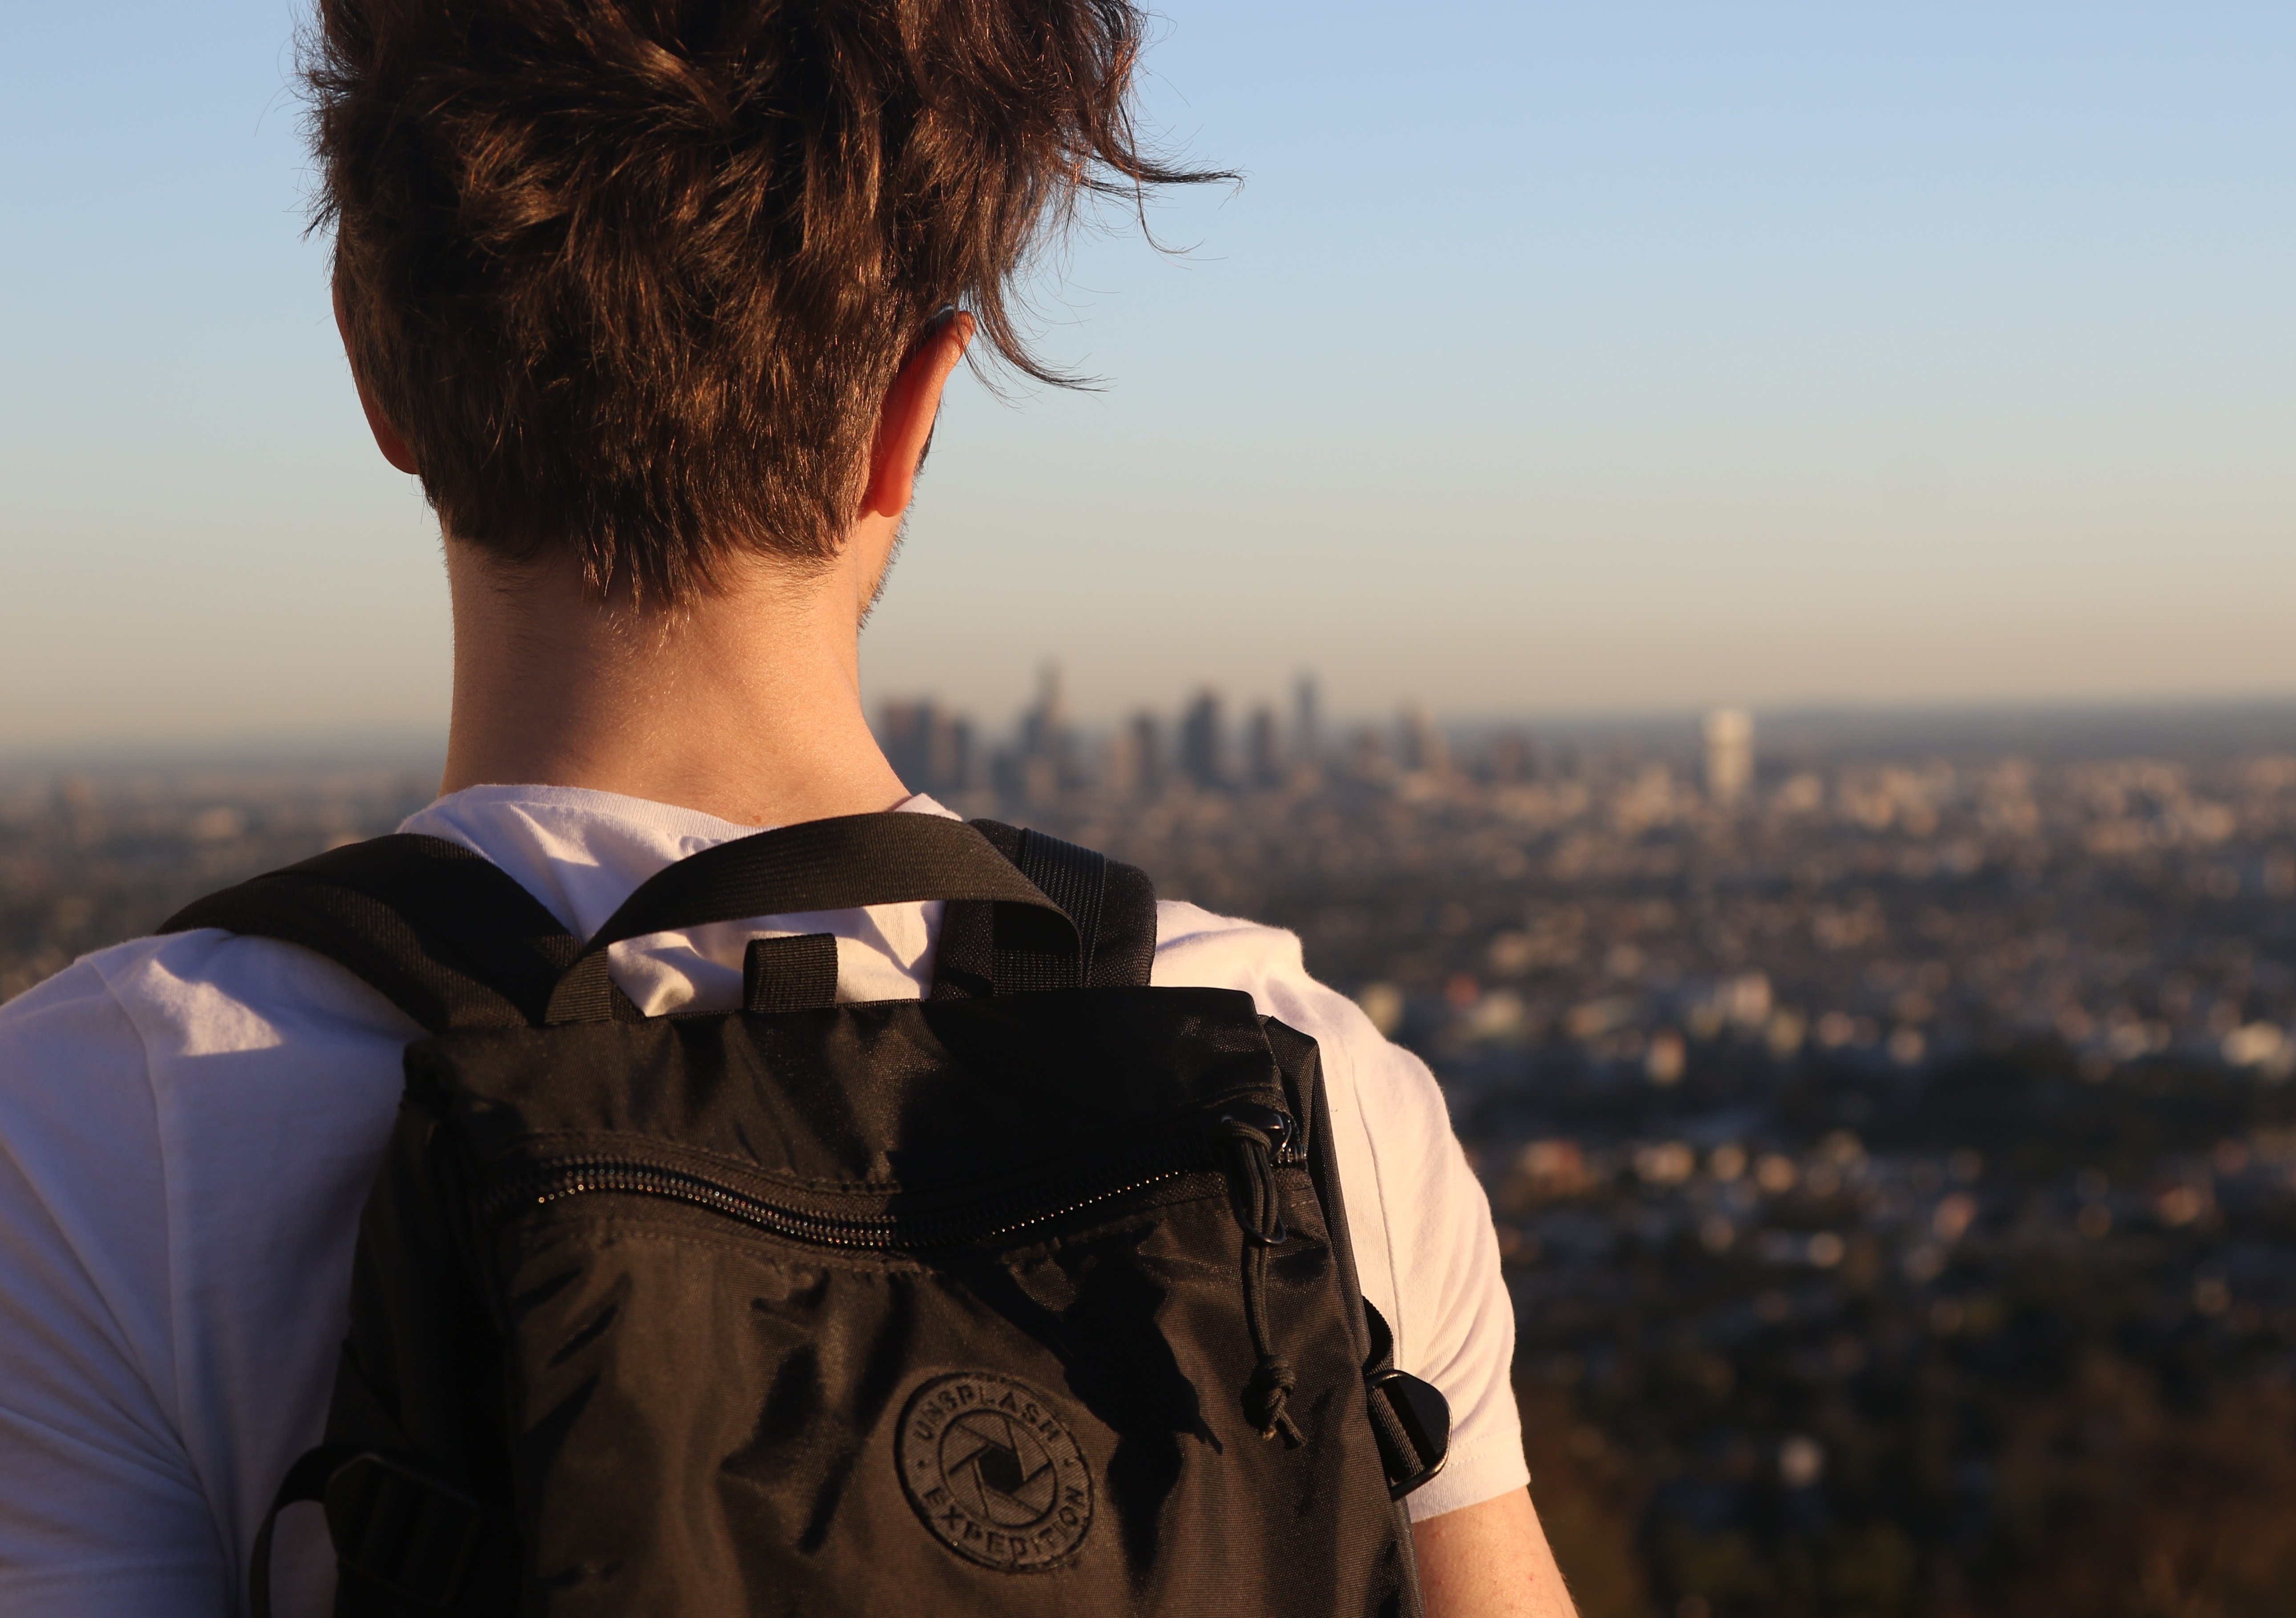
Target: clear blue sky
point(1551, 358)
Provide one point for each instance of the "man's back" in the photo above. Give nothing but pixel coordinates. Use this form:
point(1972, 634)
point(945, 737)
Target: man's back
point(190, 1125)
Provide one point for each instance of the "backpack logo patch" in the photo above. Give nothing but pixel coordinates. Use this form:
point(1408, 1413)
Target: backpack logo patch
point(994, 1472)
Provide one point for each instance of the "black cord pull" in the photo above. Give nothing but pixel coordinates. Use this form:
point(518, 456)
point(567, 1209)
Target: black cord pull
point(1267, 1396)
point(1251, 1137)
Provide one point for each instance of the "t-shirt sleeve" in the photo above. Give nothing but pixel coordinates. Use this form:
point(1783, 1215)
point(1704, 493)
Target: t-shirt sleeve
point(100, 1511)
point(1425, 1243)
point(1456, 1328)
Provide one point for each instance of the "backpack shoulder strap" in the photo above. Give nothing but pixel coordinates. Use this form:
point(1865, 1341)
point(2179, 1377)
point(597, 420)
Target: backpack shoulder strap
point(988, 948)
point(446, 935)
point(454, 941)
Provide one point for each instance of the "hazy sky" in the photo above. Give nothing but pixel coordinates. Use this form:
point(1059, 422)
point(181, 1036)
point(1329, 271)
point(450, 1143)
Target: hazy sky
point(1550, 358)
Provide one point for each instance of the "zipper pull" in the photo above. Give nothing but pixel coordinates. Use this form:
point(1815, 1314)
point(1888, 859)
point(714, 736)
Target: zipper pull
point(1253, 1137)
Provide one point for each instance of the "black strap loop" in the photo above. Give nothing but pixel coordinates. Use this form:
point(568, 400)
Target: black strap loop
point(992, 949)
point(796, 974)
point(1075, 879)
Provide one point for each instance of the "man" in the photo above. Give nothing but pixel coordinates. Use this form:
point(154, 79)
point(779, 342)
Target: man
point(658, 301)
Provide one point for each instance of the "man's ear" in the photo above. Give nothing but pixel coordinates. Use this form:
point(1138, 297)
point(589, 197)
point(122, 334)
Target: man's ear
point(905, 424)
point(395, 449)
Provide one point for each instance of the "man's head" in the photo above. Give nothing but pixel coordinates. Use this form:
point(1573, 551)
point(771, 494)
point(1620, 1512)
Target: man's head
point(633, 278)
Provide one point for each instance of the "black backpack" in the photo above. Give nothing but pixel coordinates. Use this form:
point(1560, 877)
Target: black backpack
point(1031, 1297)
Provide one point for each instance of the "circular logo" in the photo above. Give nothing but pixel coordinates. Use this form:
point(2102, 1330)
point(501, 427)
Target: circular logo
point(994, 1472)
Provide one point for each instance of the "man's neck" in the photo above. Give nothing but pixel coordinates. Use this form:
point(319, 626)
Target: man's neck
point(746, 705)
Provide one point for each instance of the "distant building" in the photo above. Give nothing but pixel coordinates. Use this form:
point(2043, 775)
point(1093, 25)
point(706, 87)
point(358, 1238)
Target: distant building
point(1045, 726)
point(1203, 742)
point(1729, 755)
point(1041, 764)
point(1136, 759)
point(1263, 747)
point(1307, 723)
point(1419, 745)
point(929, 748)
point(1367, 755)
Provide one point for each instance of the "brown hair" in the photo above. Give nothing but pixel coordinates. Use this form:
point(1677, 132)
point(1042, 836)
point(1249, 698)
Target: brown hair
point(633, 276)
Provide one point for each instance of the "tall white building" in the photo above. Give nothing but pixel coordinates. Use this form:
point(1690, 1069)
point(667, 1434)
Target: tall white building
point(1729, 755)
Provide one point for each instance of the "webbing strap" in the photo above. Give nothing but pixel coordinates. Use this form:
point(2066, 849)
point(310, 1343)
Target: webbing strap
point(1074, 878)
point(988, 950)
point(841, 863)
point(796, 974)
point(1410, 1419)
point(447, 937)
point(456, 942)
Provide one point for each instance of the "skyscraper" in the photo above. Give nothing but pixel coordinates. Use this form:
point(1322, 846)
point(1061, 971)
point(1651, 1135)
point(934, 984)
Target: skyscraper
point(1045, 727)
point(929, 748)
point(1203, 742)
point(1263, 749)
point(1307, 723)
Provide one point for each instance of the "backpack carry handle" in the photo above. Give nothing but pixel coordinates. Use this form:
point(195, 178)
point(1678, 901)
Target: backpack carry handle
point(842, 863)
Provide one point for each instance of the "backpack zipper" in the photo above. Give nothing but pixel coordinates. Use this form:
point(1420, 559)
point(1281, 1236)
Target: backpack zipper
point(1188, 1150)
point(1242, 1141)
point(572, 1177)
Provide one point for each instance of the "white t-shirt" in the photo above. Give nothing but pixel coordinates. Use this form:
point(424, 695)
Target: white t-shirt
point(188, 1125)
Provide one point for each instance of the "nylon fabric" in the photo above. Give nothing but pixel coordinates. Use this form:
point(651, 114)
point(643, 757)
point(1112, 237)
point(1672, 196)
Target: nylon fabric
point(769, 1474)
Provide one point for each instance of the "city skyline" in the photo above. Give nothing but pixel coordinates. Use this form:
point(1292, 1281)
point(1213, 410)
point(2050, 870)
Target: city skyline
point(1734, 749)
point(2166, 726)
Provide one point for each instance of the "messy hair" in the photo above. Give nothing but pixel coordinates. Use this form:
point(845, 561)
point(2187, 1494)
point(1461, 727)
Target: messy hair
point(632, 277)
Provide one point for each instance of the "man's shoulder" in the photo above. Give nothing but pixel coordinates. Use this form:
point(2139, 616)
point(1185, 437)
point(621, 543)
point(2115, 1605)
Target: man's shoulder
point(198, 993)
point(1388, 1086)
point(1189, 936)
point(1198, 948)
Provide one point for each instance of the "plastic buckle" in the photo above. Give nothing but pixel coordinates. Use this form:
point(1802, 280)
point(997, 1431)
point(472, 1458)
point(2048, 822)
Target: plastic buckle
point(1421, 1421)
point(399, 1528)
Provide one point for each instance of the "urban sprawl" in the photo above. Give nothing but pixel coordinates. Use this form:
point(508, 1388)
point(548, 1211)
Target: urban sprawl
point(1892, 1148)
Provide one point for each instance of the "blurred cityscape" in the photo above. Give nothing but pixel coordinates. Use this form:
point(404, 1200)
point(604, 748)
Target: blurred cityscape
point(1887, 1119)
